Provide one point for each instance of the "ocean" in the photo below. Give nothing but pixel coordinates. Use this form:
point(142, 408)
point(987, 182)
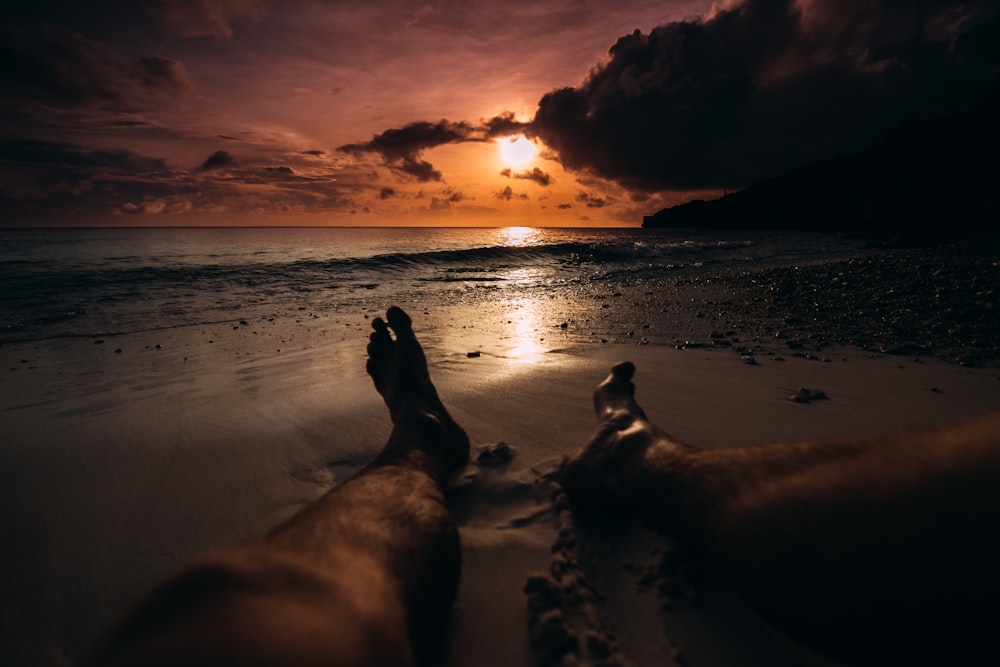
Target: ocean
point(93, 282)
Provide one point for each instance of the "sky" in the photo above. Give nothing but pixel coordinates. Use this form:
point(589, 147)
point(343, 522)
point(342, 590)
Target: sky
point(305, 112)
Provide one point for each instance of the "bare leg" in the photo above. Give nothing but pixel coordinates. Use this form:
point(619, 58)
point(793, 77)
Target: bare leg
point(872, 548)
point(366, 575)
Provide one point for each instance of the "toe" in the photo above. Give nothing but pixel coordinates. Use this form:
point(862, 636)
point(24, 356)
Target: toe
point(400, 322)
point(380, 337)
point(380, 328)
point(616, 392)
point(623, 371)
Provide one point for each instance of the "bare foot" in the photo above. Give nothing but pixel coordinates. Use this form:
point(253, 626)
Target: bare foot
point(610, 469)
point(399, 369)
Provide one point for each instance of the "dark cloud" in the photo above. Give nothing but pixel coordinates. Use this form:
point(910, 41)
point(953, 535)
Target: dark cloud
point(536, 175)
point(401, 149)
point(57, 181)
point(218, 160)
point(55, 65)
point(504, 125)
point(758, 88)
point(72, 156)
point(76, 181)
point(207, 18)
point(591, 200)
point(507, 194)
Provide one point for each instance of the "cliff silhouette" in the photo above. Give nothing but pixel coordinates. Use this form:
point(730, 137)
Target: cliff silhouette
point(925, 180)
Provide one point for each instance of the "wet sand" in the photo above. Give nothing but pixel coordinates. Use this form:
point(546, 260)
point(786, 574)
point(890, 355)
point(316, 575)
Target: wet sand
point(118, 466)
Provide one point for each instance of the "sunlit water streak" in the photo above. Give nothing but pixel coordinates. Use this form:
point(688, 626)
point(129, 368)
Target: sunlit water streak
point(56, 283)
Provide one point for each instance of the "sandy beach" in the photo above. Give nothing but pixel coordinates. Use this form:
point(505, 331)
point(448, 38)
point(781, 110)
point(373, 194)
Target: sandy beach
point(125, 456)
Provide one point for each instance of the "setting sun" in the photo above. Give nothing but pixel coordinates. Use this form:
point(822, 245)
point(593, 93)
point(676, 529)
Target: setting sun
point(517, 151)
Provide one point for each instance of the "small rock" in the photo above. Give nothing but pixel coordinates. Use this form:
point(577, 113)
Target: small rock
point(749, 361)
point(494, 455)
point(473, 355)
point(804, 395)
point(98, 342)
point(564, 325)
point(118, 350)
point(936, 390)
point(159, 347)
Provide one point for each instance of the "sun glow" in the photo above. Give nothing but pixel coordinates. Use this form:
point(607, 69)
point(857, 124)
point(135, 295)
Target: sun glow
point(517, 151)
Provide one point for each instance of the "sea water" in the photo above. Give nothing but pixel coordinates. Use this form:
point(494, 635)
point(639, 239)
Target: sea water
point(84, 282)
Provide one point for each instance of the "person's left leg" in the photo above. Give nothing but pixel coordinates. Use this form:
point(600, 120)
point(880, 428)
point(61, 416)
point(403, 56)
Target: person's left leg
point(366, 575)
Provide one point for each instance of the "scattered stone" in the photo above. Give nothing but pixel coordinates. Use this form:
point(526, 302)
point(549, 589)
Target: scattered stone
point(936, 390)
point(564, 325)
point(749, 361)
point(243, 323)
point(473, 355)
point(118, 350)
point(804, 395)
point(98, 342)
point(159, 347)
point(494, 455)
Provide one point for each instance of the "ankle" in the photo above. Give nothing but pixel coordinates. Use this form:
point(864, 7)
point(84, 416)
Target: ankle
point(427, 440)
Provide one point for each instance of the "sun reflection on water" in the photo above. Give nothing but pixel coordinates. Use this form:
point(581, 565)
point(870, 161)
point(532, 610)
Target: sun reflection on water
point(518, 236)
point(524, 342)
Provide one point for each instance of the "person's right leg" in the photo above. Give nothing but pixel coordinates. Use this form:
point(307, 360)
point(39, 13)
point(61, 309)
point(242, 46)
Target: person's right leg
point(852, 545)
point(364, 576)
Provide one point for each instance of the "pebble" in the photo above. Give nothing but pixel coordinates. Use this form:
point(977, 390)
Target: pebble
point(804, 395)
point(473, 355)
point(494, 455)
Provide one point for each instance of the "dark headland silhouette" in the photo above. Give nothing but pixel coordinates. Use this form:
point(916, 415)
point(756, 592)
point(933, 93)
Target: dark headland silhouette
point(926, 180)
